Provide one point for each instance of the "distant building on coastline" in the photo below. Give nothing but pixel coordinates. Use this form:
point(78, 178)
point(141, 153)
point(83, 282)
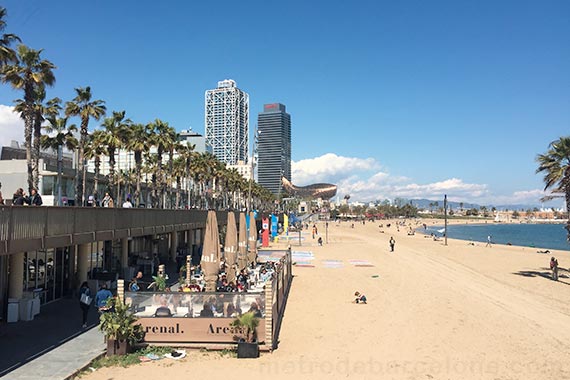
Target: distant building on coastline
point(274, 147)
point(194, 138)
point(227, 122)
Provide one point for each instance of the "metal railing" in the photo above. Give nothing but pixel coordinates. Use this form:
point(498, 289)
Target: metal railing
point(25, 228)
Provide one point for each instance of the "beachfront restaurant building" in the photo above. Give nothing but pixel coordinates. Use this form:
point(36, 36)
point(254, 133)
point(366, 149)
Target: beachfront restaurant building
point(203, 319)
point(47, 252)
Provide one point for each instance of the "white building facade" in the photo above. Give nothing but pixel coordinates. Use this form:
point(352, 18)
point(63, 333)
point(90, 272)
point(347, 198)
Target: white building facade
point(227, 122)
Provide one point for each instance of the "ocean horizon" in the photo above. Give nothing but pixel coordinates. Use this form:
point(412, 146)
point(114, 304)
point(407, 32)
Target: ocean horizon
point(550, 236)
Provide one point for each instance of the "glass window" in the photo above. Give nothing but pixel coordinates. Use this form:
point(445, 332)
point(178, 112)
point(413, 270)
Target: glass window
point(48, 185)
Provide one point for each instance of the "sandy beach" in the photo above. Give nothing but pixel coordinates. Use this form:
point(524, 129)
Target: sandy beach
point(434, 312)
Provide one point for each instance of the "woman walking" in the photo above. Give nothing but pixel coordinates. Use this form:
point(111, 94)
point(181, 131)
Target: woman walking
point(85, 299)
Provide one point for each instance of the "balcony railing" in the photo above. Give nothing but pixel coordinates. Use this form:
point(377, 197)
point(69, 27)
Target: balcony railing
point(31, 228)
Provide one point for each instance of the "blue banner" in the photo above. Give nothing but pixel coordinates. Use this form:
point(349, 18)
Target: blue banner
point(274, 225)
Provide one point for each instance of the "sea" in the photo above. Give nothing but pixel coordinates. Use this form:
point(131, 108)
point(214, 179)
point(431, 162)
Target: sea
point(552, 236)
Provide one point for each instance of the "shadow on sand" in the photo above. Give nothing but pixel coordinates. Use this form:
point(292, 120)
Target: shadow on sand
point(545, 273)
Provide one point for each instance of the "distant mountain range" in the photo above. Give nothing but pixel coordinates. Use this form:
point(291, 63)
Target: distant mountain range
point(425, 204)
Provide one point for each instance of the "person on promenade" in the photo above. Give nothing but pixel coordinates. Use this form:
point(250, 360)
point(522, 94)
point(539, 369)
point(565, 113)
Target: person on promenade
point(107, 201)
point(254, 308)
point(19, 198)
point(134, 285)
point(392, 243)
point(488, 241)
point(360, 298)
point(128, 203)
point(554, 268)
point(101, 298)
point(35, 198)
point(84, 301)
point(320, 241)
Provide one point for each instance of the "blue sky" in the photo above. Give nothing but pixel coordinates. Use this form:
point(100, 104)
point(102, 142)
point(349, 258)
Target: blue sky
point(387, 98)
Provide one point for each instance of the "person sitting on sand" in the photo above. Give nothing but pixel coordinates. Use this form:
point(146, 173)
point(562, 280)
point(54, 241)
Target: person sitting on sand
point(554, 268)
point(360, 298)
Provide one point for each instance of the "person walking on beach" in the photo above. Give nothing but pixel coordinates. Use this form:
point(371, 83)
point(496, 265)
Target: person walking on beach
point(554, 268)
point(392, 243)
point(85, 301)
point(488, 241)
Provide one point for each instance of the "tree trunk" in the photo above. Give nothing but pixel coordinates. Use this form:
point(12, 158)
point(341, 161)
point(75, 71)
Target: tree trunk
point(80, 163)
point(36, 150)
point(28, 125)
point(138, 170)
point(111, 152)
point(96, 179)
point(568, 205)
point(59, 174)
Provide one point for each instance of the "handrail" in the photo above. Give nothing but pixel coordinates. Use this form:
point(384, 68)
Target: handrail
point(27, 228)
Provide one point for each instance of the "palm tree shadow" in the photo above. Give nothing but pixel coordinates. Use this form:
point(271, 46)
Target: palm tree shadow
point(544, 273)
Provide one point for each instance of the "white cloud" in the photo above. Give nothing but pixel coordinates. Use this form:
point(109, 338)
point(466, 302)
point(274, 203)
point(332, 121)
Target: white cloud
point(11, 126)
point(328, 168)
point(365, 180)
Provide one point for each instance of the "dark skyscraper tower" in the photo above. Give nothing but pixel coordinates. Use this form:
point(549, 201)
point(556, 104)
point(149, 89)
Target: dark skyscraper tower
point(273, 147)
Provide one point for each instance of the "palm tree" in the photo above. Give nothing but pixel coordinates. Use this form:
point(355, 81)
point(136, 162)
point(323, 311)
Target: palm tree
point(555, 164)
point(85, 108)
point(41, 111)
point(29, 73)
point(163, 137)
point(7, 55)
point(114, 138)
point(62, 137)
point(94, 149)
point(186, 154)
point(178, 172)
point(138, 144)
point(151, 167)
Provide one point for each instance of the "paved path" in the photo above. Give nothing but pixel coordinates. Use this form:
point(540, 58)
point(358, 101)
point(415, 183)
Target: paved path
point(57, 323)
point(54, 345)
point(63, 361)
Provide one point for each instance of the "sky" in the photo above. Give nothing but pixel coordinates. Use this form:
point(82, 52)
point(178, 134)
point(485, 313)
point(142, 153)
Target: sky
point(411, 98)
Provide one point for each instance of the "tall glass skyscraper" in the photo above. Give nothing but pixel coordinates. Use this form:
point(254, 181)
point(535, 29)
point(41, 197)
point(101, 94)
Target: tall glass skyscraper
point(227, 122)
point(274, 147)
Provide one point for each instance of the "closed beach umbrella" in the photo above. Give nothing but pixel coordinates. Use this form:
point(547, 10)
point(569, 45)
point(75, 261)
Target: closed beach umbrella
point(211, 252)
point(242, 245)
point(231, 247)
point(252, 241)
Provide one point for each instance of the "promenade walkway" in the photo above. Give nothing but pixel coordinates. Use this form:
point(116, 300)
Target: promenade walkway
point(53, 342)
point(64, 361)
point(54, 345)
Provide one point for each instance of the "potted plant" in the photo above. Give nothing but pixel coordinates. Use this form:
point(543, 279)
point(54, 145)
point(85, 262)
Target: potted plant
point(158, 283)
point(120, 328)
point(247, 343)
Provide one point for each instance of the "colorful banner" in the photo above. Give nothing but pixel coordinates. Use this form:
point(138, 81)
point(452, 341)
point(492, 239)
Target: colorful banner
point(274, 225)
point(265, 232)
point(286, 224)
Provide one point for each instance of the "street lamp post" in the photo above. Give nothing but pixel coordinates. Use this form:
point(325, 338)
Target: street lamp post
point(255, 140)
point(445, 215)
